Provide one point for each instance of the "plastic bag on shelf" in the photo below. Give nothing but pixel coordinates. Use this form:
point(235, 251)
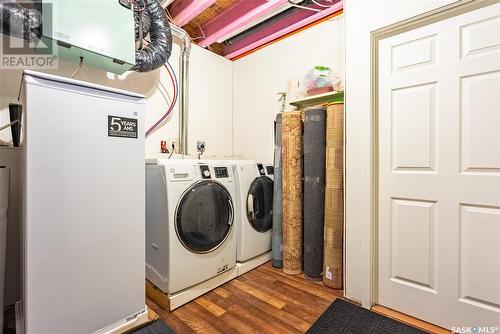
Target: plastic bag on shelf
point(321, 79)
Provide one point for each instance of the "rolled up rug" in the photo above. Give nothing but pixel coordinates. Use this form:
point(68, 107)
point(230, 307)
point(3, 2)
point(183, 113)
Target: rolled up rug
point(292, 192)
point(334, 199)
point(314, 190)
point(277, 233)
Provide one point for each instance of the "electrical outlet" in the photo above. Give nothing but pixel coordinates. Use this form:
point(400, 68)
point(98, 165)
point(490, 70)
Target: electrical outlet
point(172, 143)
point(200, 146)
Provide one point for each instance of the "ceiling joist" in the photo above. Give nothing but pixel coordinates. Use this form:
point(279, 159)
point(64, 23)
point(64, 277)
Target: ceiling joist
point(240, 14)
point(183, 11)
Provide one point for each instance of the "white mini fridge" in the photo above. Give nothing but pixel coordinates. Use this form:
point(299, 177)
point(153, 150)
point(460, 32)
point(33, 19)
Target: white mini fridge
point(84, 211)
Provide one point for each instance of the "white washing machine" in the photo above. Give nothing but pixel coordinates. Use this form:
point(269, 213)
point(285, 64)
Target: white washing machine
point(254, 213)
point(190, 235)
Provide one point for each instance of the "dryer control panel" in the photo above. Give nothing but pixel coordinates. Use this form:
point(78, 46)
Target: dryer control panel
point(221, 172)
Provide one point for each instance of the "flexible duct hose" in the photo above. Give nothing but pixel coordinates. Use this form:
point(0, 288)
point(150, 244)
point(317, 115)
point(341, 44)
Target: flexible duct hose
point(20, 22)
point(146, 25)
point(158, 51)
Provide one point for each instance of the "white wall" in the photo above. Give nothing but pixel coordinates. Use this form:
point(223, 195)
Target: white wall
point(209, 118)
point(258, 78)
point(210, 106)
point(363, 17)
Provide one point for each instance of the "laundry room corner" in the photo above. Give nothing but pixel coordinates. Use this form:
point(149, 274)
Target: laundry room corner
point(237, 166)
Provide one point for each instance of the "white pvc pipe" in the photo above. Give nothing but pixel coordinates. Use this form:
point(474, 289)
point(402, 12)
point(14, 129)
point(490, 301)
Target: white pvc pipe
point(4, 205)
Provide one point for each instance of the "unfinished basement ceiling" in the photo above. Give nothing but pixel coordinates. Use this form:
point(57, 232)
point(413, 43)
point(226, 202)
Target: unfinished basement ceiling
point(193, 28)
point(233, 28)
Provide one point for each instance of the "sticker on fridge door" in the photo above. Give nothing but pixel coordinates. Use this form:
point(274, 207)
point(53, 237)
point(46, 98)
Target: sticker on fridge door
point(122, 127)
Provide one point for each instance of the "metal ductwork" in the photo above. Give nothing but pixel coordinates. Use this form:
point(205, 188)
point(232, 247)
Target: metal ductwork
point(185, 43)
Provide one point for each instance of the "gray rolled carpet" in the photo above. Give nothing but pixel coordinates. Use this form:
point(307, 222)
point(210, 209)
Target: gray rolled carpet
point(314, 190)
point(346, 318)
point(277, 233)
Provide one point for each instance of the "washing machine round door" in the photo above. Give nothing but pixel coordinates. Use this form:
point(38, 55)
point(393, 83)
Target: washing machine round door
point(204, 216)
point(260, 204)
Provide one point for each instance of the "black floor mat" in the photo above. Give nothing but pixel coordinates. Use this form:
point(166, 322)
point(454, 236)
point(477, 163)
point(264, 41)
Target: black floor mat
point(345, 318)
point(157, 327)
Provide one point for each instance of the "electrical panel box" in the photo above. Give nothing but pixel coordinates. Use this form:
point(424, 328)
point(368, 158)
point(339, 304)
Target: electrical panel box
point(102, 32)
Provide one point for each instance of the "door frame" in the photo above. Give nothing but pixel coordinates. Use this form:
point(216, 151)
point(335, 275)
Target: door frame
point(369, 237)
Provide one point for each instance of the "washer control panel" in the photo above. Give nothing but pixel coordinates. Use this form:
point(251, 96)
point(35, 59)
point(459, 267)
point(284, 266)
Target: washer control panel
point(205, 172)
point(270, 170)
point(221, 172)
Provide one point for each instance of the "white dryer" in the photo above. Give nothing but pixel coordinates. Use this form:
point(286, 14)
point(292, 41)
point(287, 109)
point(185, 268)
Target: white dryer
point(254, 212)
point(189, 223)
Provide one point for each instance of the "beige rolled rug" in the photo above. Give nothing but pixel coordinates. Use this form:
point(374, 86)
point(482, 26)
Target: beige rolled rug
point(334, 199)
point(292, 192)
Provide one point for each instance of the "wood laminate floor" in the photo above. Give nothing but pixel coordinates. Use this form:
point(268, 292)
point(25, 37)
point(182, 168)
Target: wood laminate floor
point(264, 300)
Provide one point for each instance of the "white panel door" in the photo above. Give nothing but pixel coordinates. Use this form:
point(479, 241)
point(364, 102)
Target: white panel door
point(439, 171)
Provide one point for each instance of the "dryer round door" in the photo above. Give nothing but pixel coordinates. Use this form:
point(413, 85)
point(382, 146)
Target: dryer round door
point(260, 204)
point(204, 216)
